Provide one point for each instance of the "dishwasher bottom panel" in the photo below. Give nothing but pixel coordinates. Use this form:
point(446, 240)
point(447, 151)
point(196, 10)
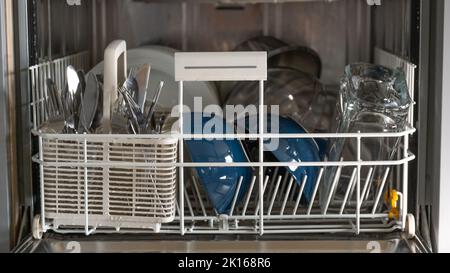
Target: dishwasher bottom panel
point(388, 243)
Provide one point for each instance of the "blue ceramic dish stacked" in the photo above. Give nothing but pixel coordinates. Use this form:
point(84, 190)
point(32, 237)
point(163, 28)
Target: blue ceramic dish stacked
point(221, 183)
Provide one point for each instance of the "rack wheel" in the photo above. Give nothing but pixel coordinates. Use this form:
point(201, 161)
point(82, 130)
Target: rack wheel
point(410, 229)
point(37, 228)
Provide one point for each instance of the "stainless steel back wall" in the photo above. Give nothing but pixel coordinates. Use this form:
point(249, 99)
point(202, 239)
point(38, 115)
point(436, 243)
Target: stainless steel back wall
point(328, 28)
point(341, 32)
point(61, 29)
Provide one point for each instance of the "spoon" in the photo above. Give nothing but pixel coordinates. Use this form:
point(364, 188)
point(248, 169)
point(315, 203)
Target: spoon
point(131, 84)
point(73, 83)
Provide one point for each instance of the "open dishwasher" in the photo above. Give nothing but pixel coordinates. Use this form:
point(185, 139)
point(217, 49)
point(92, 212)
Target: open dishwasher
point(165, 190)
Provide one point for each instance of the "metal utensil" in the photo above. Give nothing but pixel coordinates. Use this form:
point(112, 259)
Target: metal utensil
point(82, 78)
point(50, 103)
point(152, 109)
point(89, 104)
point(55, 123)
point(65, 102)
point(97, 122)
point(142, 77)
point(65, 109)
point(73, 81)
point(55, 104)
point(134, 110)
point(131, 84)
point(159, 123)
point(79, 96)
point(73, 89)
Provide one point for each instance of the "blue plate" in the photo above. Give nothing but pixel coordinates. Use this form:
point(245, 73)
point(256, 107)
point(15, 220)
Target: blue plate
point(219, 183)
point(291, 150)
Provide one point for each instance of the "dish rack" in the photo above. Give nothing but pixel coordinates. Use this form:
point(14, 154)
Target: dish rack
point(273, 203)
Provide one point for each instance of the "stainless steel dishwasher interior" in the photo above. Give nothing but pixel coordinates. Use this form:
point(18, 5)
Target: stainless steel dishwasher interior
point(393, 243)
point(341, 31)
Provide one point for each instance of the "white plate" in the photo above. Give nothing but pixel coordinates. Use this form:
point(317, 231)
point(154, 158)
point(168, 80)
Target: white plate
point(162, 61)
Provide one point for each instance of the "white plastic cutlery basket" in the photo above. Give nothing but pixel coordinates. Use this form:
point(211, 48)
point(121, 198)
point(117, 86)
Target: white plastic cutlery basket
point(115, 177)
point(100, 181)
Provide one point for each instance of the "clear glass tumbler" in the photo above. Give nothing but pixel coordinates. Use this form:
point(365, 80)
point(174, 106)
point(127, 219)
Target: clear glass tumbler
point(373, 99)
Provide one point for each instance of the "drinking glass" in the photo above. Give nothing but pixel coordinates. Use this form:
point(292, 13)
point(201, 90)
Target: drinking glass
point(373, 99)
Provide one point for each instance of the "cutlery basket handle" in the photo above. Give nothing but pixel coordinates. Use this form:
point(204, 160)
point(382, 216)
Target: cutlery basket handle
point(115, 72)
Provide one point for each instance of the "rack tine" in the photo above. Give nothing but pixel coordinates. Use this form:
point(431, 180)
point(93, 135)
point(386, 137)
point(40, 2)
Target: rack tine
point(349, 189)
point(299, 197)
point(284, 184)
point(353, 185)
point(186, 197)
point(372, 178)
point(197, 191)
point(294, 189)
point(236, 194)
point(380, 191)
point(291, 182)
point(264, 190)
point(366, 184)
point(249, 195)
point(316, 188)
point(274, 196)
point(272, 184)
point(333, 187)
point(177, 207)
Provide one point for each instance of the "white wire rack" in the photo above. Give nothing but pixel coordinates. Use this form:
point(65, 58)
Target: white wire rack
point(274, 202)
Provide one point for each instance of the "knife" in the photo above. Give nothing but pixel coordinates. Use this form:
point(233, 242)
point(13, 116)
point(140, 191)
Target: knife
point(89, 103)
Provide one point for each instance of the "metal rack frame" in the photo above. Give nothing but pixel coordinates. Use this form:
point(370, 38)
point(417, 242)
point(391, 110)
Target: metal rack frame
point(233, 67)
point(271, 213)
